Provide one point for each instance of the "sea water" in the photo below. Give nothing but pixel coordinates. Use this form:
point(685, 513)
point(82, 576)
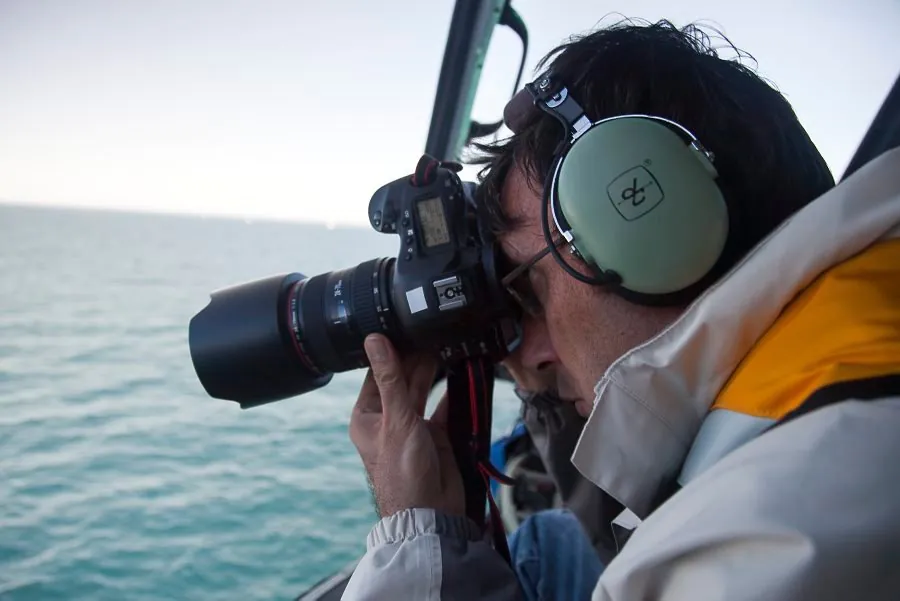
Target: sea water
point(120, 479)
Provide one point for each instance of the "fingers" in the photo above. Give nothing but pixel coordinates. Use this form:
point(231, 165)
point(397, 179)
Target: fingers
point(422, 372)
point(391, 379)
point(442, 411)
point(369, 400)
point(365, 417)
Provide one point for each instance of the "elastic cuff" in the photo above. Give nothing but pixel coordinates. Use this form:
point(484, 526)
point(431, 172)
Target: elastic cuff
point(411, 523)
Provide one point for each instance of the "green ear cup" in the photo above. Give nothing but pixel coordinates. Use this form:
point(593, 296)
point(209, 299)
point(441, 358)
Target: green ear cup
point(642, 202)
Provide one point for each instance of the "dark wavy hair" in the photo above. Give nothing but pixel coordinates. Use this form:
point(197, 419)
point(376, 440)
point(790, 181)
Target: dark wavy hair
point(768, 166)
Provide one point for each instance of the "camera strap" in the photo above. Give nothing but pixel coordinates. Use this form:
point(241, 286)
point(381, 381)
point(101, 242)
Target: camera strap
point(470, 387)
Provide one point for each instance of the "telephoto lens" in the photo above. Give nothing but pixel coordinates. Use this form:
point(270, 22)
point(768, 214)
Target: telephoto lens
point(286, 335)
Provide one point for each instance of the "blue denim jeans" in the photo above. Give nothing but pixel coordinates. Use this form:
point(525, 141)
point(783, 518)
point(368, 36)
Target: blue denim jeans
point(554, 558)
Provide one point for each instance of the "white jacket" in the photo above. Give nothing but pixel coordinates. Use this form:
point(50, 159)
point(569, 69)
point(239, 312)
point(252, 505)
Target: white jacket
point(809, 509)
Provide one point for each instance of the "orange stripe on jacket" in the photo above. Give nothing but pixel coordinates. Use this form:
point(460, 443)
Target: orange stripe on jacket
point(844, 326)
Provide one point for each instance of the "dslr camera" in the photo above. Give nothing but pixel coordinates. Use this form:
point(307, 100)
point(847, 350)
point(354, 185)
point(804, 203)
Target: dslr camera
point(286, 335)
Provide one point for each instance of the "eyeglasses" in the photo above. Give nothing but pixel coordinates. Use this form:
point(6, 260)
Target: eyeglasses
point(519, 287)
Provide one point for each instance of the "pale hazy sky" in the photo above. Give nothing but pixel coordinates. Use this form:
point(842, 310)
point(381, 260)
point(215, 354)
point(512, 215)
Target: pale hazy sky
point(301, 109)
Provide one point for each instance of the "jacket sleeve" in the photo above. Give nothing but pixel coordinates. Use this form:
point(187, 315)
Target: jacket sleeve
point(809, 510)
point(427, 556)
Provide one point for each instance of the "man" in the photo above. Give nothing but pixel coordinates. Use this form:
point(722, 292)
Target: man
point(753, 434)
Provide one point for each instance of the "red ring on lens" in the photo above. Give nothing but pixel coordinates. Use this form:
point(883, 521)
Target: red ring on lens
point(293, 317)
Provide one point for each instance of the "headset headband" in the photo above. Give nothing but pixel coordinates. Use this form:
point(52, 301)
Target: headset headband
point(548, 95)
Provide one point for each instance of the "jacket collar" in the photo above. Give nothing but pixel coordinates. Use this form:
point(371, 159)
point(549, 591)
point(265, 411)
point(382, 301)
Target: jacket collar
point(650, 403)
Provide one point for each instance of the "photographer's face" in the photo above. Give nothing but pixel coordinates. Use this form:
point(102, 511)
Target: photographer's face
point(581, 329)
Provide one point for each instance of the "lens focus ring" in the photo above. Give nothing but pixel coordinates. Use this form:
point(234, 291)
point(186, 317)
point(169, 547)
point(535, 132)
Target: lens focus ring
point(365, 289)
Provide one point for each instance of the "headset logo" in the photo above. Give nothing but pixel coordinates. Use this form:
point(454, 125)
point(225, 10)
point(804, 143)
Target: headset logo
point(635, 193)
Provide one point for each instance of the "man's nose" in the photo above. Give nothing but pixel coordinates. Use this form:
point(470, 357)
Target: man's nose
point(533, 362)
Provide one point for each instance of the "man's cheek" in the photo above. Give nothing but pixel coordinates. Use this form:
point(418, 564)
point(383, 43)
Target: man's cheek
point(578, 362)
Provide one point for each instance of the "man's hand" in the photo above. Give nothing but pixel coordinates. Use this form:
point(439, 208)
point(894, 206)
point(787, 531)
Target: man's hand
point(408, 458)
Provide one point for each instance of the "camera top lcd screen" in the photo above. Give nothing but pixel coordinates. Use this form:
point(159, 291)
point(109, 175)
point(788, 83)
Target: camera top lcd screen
point(434, 225)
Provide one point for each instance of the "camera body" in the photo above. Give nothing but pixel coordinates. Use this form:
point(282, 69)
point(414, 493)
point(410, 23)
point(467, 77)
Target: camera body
point(285, 335)
point(445, 288)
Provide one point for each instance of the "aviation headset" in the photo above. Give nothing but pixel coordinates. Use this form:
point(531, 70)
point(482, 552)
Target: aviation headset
point(634, 196)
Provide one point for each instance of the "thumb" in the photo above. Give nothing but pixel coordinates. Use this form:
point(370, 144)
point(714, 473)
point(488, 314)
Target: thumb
point(389, 376)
